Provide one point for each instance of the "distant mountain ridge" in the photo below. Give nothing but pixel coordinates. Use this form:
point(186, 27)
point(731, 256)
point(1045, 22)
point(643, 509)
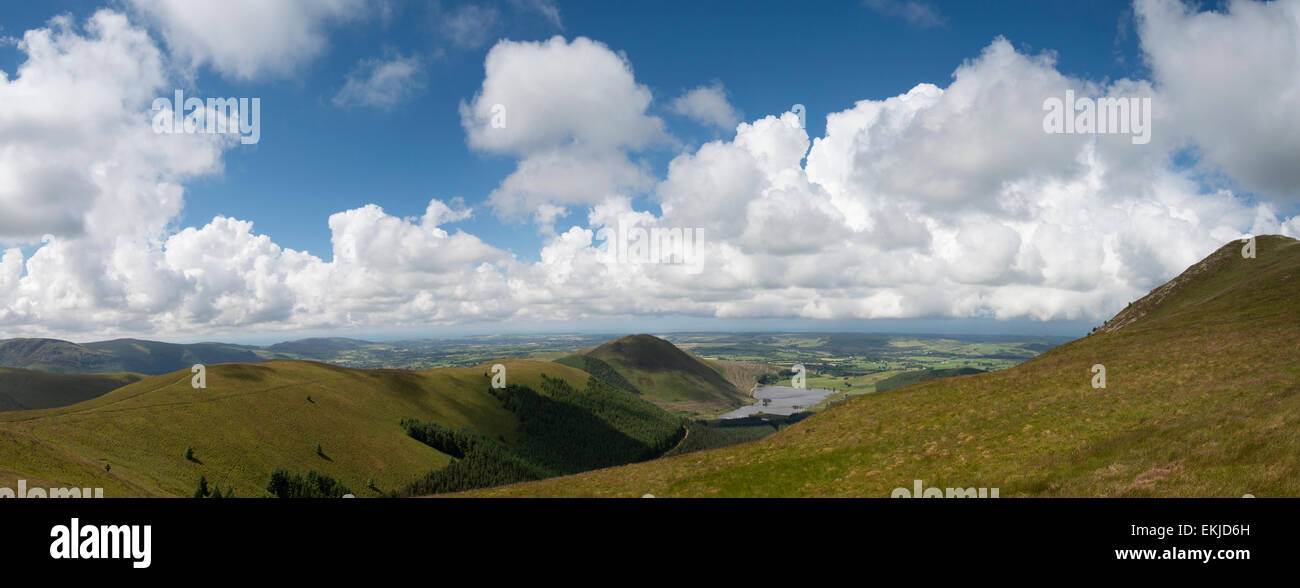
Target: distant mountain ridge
point(119, 355)
point(639, 364)
point(30, 389)
point(318, 346)
point(154, 357)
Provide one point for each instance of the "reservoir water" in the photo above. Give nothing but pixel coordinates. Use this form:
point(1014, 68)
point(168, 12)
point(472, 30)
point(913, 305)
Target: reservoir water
point(782, 400)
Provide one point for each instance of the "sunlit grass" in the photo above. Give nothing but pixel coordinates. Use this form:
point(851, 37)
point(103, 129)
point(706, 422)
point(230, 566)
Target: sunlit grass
point(1201, 400)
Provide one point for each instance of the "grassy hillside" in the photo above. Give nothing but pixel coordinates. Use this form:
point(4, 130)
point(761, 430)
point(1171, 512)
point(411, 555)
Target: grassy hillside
point(600, 370)
point(252, 418)
point(913, 377)
point(28, 389)
point(669, 376)
point(120, 355)
point(702, 435)
point(744, 375)
point(52, 355)
point(563, 430)
point(1202, 399)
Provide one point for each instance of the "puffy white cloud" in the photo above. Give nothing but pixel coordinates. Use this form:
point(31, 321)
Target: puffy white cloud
point(385, 270)
point(555, 92)
point(76, 151)
point(1230, 81)
point(945, 201)
point(83, 173)
point(247, 38)
point(231, 276)
point(938, 202)
point(545, 181)
point(382, 83)
point(571, 111)
point(952, 149)
point(707, 105)
point(367, 238)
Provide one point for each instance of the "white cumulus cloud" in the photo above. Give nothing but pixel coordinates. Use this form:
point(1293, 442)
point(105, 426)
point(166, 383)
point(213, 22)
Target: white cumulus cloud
point(1231, 82)
point(707, 105)
point(564, 108)
point(246, 39)
point(938, 202)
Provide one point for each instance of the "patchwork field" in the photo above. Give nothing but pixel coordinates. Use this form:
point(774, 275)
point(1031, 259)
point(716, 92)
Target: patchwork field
point(1201, 398)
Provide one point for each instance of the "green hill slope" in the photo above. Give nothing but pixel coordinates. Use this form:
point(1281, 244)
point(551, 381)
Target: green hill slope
point(29, 389)
point(1202, 398)
point(52, 355)
point(563, 430)
point(668, 376)
point(120, 355)
point(601, 370)
point(913, 377)
point(253, 418)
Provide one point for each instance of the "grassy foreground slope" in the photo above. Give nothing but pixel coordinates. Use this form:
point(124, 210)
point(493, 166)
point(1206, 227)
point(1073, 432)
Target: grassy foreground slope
point(252, 418)
point(29, 389)
point(668, 376)
point(914, 377)
point(1202, 398)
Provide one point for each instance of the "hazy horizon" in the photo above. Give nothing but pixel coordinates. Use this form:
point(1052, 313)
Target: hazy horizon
point(932, 327)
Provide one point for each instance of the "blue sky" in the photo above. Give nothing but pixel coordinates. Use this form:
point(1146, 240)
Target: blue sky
point(936, 199)
point(307, 165)
point(316, 159)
